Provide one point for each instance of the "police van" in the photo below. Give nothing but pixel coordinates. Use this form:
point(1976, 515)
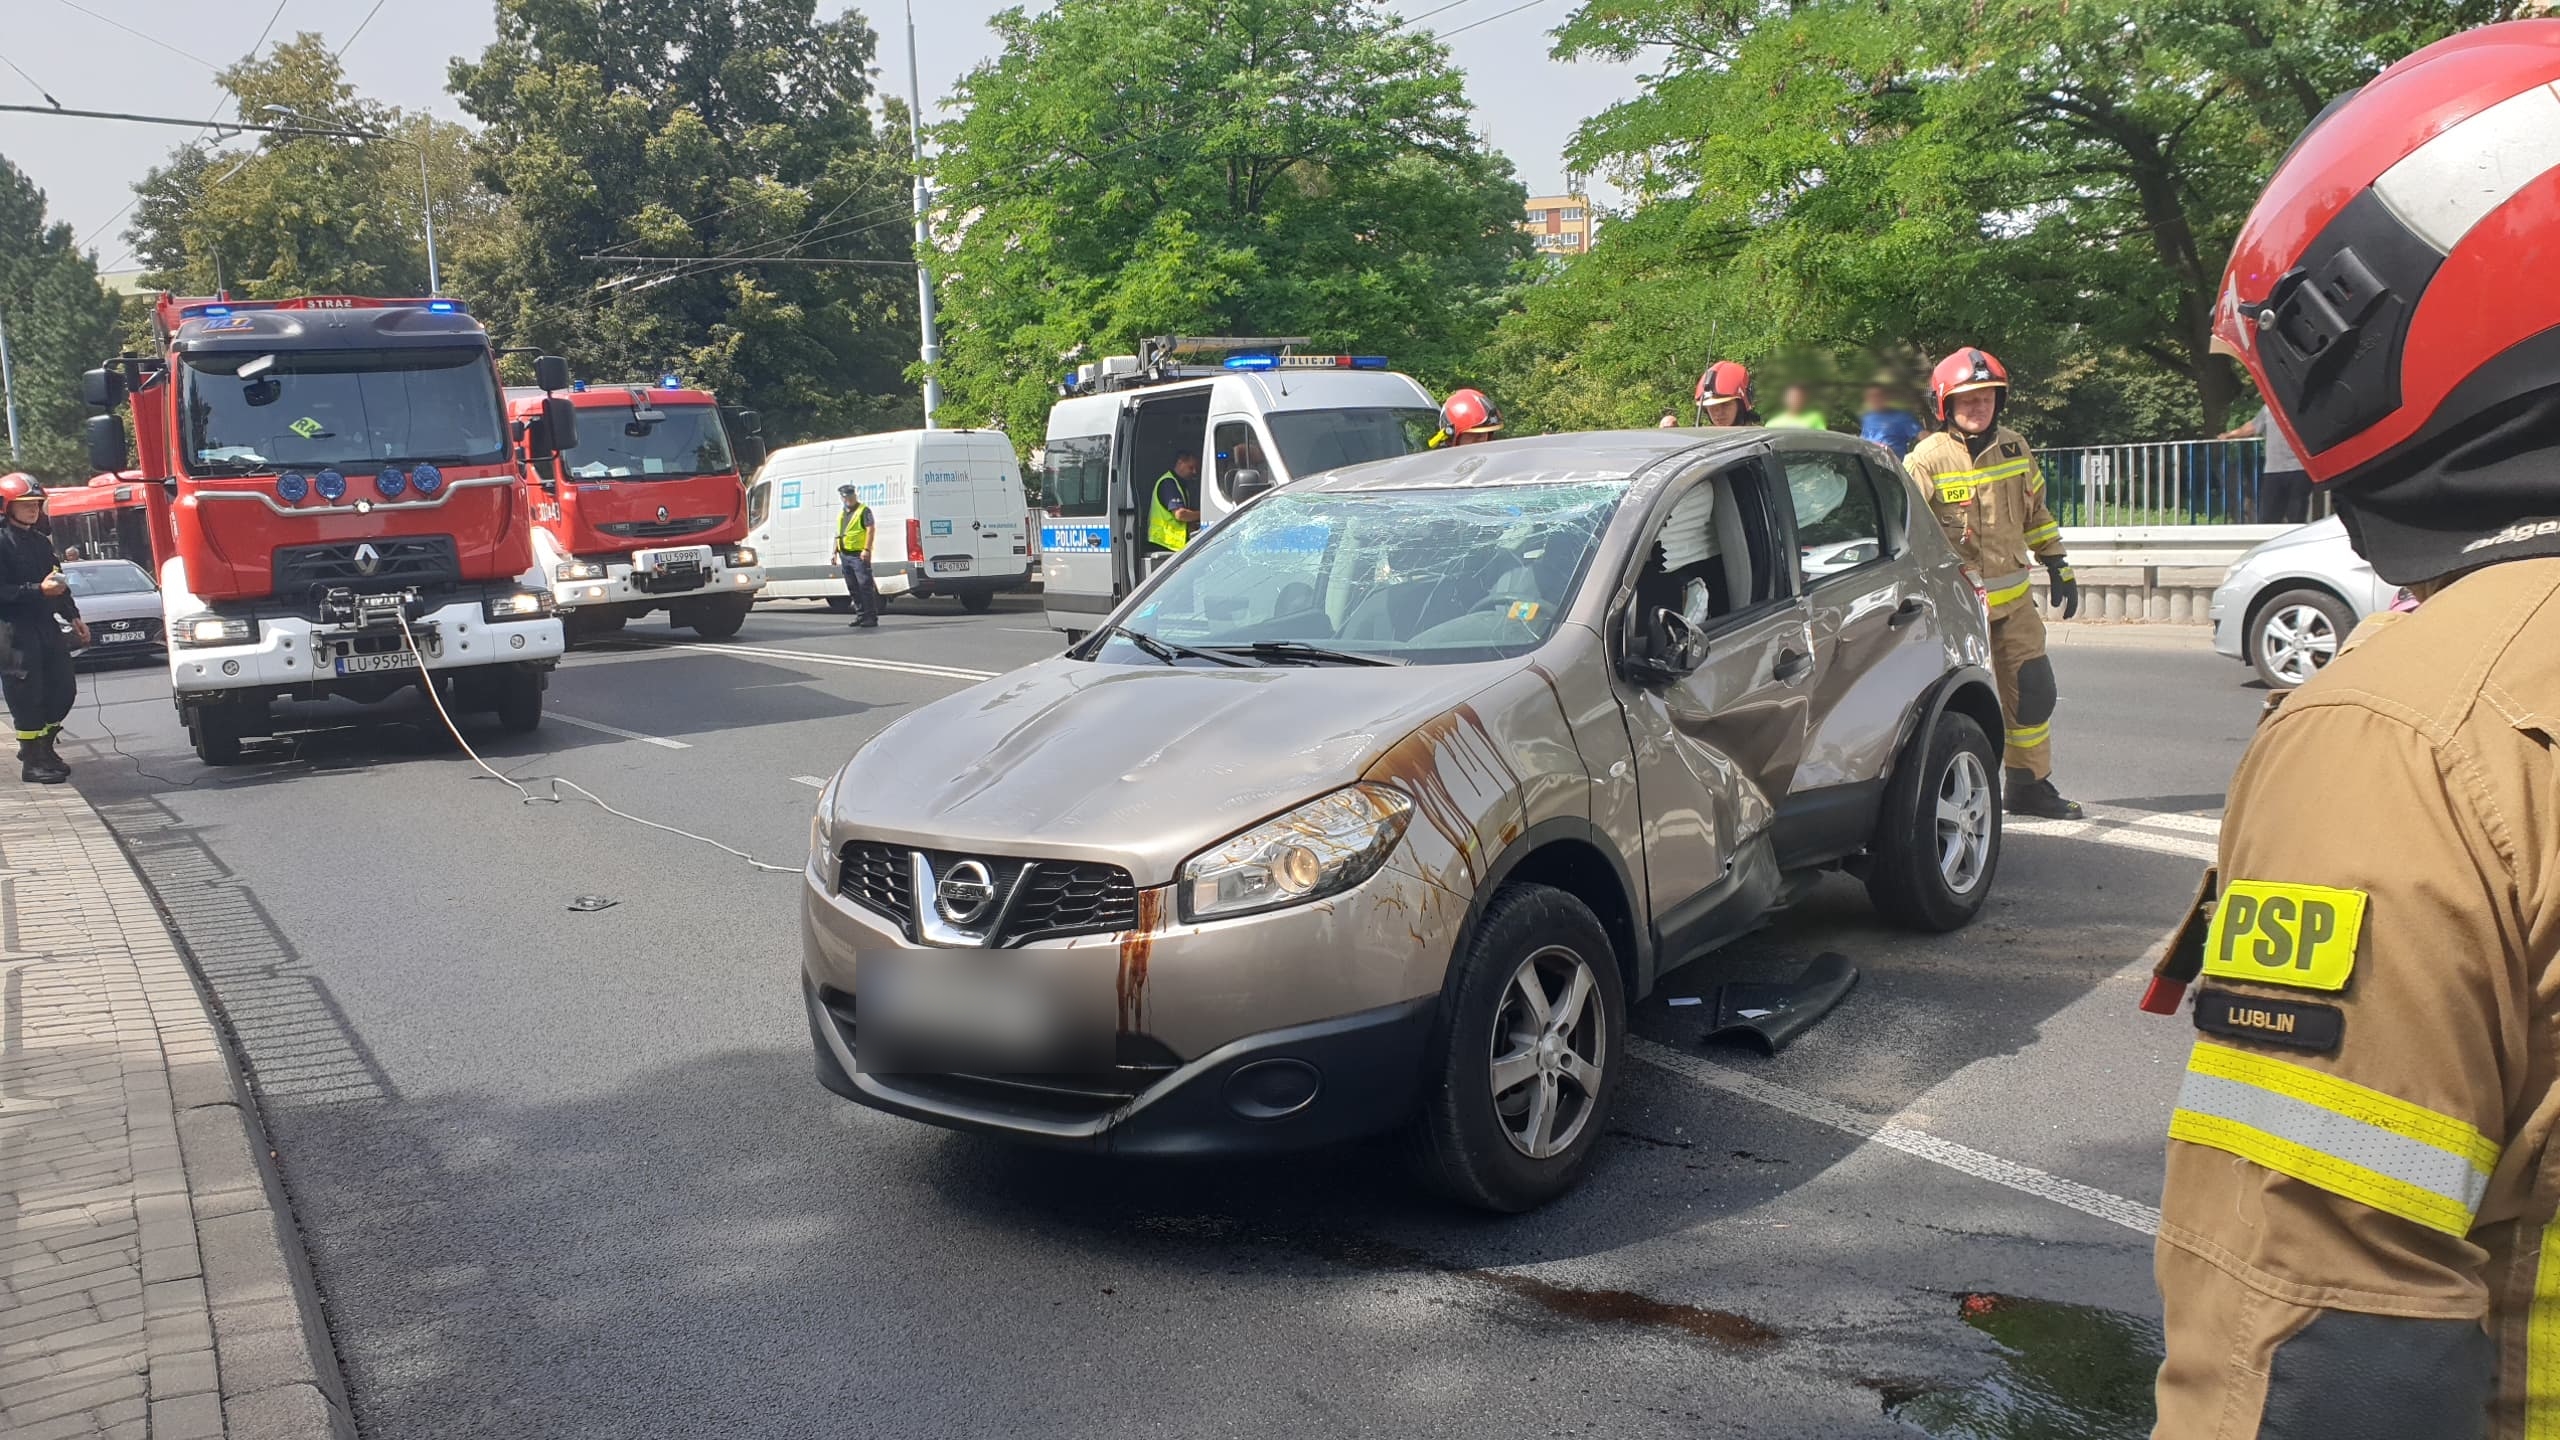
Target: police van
point(947, 506)
point(1262, 417)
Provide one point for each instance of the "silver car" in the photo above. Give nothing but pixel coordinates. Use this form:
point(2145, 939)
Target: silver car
point(2286, 606)
point(1376, 808)
point(121, 604)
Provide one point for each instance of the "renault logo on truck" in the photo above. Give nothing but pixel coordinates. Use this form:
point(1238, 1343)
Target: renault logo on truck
point(368, 560)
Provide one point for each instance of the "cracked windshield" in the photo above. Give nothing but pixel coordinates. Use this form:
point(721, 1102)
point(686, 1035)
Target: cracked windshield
point(359, 408)
point(617, 444)
point(1420, 576)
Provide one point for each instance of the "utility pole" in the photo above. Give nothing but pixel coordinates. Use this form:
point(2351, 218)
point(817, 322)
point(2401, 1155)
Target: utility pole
point(9, 387)
point(427, 202)
point(932, 350)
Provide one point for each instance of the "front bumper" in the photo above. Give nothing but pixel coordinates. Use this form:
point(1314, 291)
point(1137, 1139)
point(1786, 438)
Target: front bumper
point(290, 652)
point(2230, 613)
point(625, 584)
point(1293, 1028)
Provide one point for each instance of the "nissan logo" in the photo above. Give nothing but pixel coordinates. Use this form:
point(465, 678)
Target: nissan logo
point(368, 560)
point(965, 892)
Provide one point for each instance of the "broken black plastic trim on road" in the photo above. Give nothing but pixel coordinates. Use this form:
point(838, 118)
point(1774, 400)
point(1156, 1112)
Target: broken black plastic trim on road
point(2065, 1372)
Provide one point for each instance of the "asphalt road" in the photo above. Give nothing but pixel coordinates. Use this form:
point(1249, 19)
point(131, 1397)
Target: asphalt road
point(566, 1173)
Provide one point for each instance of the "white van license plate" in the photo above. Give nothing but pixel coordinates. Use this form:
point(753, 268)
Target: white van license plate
point(375, 664)
point(950, 567)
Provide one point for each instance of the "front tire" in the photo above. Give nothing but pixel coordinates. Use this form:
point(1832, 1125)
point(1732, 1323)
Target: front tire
point(217, 727)
point(519, 701)
point(1938, 844)
point(841, 604)
point(720, 619)
point(2295, 635)
point(1523, 1059)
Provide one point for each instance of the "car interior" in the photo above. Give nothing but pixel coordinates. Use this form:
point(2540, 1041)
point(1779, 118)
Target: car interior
point(1711, 557)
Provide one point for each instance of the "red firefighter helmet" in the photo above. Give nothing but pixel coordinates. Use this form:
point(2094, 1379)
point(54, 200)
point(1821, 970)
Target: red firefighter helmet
point(1468, 412)
point(2394, 298)
point(1966, 369)
point(19, 485)
point(1725, 380)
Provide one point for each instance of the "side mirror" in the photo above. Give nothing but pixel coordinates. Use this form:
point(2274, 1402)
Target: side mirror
point(1243, 485)
point(1660, 648)
point(101, 388)
point(751, 452)
point(551, 372)
point(560, 422)
point(106, 443)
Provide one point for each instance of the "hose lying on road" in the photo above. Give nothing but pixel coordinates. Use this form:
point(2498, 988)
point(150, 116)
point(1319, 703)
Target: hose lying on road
point(556, 784)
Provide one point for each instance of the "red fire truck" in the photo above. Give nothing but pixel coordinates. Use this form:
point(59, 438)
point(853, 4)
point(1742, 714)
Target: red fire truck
point(646, 511)
point(344, 508)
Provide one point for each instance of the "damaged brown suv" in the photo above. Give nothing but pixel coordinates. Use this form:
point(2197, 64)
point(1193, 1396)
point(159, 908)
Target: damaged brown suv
point(1375, 808)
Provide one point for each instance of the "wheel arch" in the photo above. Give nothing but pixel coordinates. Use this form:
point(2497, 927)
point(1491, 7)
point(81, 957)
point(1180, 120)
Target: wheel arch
point(1571, 854)
point(1970, 691)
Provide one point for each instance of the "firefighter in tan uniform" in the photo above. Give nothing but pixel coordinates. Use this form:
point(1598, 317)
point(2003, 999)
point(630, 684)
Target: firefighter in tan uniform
point(2357, 1233)
point(1989, 497)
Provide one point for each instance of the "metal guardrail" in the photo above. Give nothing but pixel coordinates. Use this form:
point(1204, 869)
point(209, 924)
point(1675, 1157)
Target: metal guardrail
point(2185, 547)
point(2164, 483)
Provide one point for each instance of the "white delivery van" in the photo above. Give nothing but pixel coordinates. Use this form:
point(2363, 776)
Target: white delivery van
point(947, 506)
point(1258, 420)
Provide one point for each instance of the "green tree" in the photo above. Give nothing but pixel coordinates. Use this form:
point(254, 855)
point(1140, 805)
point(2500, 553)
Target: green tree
point(2059, 183)
point(60, 322)
point(301, 215)
point(1262, 167)
point(734, 135)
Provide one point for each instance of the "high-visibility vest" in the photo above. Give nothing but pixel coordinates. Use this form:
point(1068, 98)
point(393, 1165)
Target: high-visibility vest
point(1164, 531)
point(853, 532)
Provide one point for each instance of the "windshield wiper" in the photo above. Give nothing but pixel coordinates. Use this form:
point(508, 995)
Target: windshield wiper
point(1301, 650)
point(1168, 652)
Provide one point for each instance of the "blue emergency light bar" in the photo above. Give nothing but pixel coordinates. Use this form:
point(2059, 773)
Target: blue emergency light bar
point(669, 381)
point(1306, 362)
point(208, 310)
point(443, 307)
point(1253, 362)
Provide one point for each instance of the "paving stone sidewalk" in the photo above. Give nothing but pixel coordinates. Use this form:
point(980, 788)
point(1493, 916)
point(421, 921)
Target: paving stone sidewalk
point(151, 1283)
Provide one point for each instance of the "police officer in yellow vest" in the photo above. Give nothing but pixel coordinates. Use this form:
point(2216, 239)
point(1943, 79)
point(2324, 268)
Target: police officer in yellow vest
point(1173, 509)
point(1982, 481)
point(853, 552)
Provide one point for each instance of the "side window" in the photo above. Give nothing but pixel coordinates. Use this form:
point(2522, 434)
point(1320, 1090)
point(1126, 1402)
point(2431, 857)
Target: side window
point(1840, 521)
point(1893, 488)
point(1075, 475)
point(759, 503)
point(1714, 555)
point(1243, 470)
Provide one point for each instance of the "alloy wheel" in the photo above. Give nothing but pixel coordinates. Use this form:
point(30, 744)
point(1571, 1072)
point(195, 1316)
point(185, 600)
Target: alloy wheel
point(1549, 1038)
point(2297, 640)
point(1965, 804)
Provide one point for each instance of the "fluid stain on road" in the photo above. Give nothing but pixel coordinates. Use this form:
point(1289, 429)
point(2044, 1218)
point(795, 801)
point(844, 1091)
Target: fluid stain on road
point(2066, 1372)
point(1573, 1302)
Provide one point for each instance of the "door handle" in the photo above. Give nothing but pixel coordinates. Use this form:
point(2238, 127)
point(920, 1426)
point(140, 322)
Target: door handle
point(1791, 664)
point(1912, 608)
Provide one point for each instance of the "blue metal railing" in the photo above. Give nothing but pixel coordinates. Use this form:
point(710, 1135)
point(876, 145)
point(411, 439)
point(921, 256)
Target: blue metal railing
point(2172, 482)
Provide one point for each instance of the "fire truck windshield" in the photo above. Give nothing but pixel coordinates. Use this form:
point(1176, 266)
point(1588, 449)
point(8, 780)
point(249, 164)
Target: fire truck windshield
point(341, 408)
point(613, 445)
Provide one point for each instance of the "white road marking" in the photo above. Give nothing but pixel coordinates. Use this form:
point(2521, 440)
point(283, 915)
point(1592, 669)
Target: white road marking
point(812, 781)
point(764, 652)
point(597, 725)
point(2025, 1179)
point(2189, 837)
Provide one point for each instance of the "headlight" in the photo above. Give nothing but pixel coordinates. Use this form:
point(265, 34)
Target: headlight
point(744, 555)
point(578, 570)
point(519, 605)
point(213, 630)
point(1323, 847)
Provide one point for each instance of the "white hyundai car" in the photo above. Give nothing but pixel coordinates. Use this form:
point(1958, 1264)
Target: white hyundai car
point(2287, 606)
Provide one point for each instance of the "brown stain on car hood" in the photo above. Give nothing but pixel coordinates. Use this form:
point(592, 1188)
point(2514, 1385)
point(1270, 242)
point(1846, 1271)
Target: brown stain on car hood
point(1455, 771)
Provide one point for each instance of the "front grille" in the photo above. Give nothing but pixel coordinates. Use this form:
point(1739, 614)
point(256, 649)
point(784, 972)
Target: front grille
point(1058, 897)
point(661, 530)
point(1143, 1062)
point(399, 563)
point(880, 879)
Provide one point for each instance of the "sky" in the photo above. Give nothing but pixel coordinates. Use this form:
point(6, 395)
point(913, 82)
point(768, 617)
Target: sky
point(1527, 105)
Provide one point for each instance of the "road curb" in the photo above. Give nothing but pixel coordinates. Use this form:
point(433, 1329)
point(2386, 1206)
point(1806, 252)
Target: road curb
point(231, 1339)
point(2134, 634)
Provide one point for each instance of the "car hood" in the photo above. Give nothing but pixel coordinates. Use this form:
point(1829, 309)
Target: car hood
point(2317, 532)
point(137, 605)
point(1139, 765)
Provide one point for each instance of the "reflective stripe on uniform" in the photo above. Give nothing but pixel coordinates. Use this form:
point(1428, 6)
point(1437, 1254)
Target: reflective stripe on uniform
point(2030, 736)
point(2402, 1159)
point(2049, 530)
point(30, 735)
point(1996, 593)
point(2542, 1343)
point(1957, 486)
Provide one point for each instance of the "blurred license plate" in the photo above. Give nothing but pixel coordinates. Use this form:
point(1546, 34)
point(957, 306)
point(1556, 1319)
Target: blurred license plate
point(113, 637)
point(955, 1013)
point(374, 664)
point(950, 567)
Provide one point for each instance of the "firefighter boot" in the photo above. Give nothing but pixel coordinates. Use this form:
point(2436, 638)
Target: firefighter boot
point(50, 745)
point(2026, 795)
point(35, 768)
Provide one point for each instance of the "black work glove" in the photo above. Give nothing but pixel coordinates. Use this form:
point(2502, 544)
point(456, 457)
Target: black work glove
point(2064, 591)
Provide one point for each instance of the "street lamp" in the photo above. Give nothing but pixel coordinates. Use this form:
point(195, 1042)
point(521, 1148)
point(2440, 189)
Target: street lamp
point(426, 193)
